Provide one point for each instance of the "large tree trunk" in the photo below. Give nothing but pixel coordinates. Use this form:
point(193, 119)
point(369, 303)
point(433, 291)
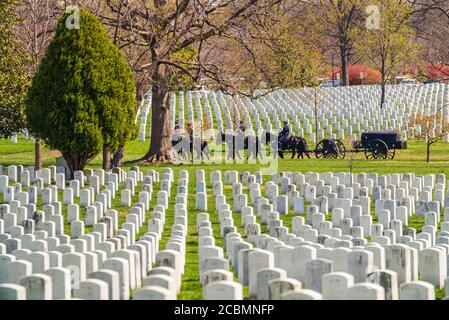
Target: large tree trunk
point(117, 158)
point(37, 154)
point(344, 64)
point(106, 158)
point(384, 80)
point(428, 152)
point(76, 162)
point(160, 144)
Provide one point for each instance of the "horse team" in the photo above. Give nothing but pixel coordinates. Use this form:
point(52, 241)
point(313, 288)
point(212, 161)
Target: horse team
point(239, 142)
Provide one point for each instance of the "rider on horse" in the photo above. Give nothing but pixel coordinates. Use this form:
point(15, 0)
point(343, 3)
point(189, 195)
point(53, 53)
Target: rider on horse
point(284, 134)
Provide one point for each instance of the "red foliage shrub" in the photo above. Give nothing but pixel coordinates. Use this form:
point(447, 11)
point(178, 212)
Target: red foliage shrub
point(436, 72)
point(370, 76)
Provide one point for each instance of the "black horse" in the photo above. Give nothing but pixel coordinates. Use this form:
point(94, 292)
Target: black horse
point(297, 145)
point(237, 143)
point(300, 147)
point(186, 144)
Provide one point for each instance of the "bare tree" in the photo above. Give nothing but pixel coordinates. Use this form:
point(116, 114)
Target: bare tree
point(430, 129)
point(179, 35)
point(335, 21)
point(391, 46)
point(430, 19)
point(179, 43)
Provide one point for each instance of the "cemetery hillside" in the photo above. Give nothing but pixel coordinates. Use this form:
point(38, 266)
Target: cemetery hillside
point(237, 150)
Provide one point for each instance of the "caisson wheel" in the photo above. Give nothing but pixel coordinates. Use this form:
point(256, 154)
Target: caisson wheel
point(391, 154)
point(341, 150)
point(376, 150)
point(326, 149)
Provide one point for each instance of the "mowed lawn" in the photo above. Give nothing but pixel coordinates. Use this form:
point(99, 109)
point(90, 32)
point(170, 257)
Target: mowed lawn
point(411, 160)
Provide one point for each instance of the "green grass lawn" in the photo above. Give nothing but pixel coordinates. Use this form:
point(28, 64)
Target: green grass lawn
point(410, 160)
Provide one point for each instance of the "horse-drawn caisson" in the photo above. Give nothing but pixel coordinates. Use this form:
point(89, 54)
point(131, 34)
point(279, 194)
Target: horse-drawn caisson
point(380, 145)
point(376, 145)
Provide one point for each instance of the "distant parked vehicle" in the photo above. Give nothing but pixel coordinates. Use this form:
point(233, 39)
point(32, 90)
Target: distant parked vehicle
point(409, 82)
point(432, 81)
point(330, 84)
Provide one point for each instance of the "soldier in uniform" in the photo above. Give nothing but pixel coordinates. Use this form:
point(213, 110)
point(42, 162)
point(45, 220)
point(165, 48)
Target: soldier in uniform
point(284, 134)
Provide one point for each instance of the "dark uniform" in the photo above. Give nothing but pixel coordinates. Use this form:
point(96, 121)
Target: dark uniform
point(284, 134)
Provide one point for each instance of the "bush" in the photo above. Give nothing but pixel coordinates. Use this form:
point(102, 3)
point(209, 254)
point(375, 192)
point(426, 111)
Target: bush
point(83, 95)
point(14, 76)
point(370, 76)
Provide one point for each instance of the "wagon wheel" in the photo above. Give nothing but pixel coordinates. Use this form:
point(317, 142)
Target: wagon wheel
point(391, 154)
point(341, 150)
point(319, 150)
point(326, 149)
point(332, 149)
point(376, 150)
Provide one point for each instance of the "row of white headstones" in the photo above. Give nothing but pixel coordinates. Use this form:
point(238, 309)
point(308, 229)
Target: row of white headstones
point(316, 259)
point(39, 261)
point(331, 260)
point(343, 112)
